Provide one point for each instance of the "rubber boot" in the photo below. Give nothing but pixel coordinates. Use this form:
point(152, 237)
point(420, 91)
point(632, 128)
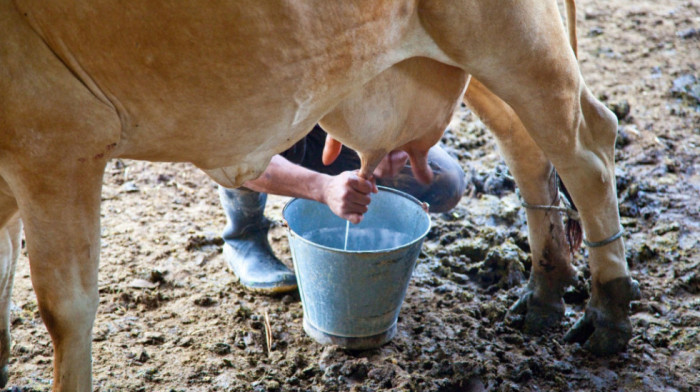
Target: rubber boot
point(246, 248)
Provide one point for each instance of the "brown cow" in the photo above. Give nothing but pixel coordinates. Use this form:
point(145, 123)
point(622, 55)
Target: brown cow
point(226, 88)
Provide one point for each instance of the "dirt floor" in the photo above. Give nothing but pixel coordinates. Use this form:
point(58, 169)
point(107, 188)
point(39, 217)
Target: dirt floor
point(172, 318)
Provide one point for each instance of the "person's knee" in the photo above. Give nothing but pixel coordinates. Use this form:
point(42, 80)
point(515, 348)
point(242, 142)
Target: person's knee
point(449, 182)
point(447, 190)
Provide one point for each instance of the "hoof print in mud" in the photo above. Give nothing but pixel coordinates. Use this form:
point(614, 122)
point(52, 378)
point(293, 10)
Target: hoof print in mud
point(605, 328)
point(534, 316)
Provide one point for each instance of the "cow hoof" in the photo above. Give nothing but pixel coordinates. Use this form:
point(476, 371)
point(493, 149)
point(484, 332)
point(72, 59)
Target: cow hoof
point(537, 316)
point(599, 335)
point(605, 328)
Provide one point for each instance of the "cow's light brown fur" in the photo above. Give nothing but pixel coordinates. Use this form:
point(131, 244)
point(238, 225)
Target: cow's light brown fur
point(227, 87)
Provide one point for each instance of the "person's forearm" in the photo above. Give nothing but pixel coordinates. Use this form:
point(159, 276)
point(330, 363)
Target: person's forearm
point(284, 178)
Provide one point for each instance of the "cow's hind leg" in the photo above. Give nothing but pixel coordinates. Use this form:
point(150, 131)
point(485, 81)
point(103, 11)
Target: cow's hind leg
point(577, 133)
point(10, 231)
point(538, 76)
point(541, 304)
point(9, 252)
point(605, 327)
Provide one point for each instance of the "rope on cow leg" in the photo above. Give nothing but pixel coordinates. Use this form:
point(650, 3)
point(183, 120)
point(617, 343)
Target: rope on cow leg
point(572, 230)
point(611, 239)
point(569, 202)
point(566, 209)
point(571, 214)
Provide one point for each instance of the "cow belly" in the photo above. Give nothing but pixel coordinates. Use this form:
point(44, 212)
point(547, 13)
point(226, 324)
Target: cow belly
point(213, 86)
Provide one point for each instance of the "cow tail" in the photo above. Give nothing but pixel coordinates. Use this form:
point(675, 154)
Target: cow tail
point(572, 227)
point(574, 232)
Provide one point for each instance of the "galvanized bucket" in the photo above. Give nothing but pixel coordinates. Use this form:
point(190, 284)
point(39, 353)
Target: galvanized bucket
point(352, 297)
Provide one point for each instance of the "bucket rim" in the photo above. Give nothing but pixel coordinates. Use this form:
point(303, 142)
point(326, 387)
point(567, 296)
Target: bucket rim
point(407, 245)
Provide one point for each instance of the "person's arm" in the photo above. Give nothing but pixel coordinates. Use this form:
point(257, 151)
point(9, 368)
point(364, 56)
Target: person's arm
point(346, 194)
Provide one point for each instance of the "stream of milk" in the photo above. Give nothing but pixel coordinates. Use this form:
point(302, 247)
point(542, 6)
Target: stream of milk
point(358, 239)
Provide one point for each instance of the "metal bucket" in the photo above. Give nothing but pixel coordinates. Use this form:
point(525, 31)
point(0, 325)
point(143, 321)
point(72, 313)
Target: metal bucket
point(352, 297)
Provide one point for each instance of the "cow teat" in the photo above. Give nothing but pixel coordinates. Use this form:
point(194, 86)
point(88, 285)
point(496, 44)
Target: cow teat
point(370, 160)
point(418, 158)
point(331, 150)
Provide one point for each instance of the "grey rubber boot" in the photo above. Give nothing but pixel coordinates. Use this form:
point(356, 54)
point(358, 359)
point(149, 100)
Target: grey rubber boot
point(246, 248)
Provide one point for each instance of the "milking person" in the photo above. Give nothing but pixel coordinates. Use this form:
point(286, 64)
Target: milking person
point(299, 172)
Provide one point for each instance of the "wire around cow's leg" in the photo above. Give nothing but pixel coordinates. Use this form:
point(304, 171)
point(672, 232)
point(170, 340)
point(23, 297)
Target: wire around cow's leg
point(541, 305)
point(63, 243)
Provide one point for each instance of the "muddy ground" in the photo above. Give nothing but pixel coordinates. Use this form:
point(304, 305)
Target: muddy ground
point(172, 318)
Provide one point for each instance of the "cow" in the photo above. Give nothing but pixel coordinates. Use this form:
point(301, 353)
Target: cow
point(228, 87)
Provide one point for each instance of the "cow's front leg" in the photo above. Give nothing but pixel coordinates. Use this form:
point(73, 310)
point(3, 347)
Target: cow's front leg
point(10, 230)
point(541, 304)
point(61, 221)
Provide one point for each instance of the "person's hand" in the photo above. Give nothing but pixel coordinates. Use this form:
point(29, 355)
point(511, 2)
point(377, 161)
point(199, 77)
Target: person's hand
point(391, 165)
point(348, 195)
